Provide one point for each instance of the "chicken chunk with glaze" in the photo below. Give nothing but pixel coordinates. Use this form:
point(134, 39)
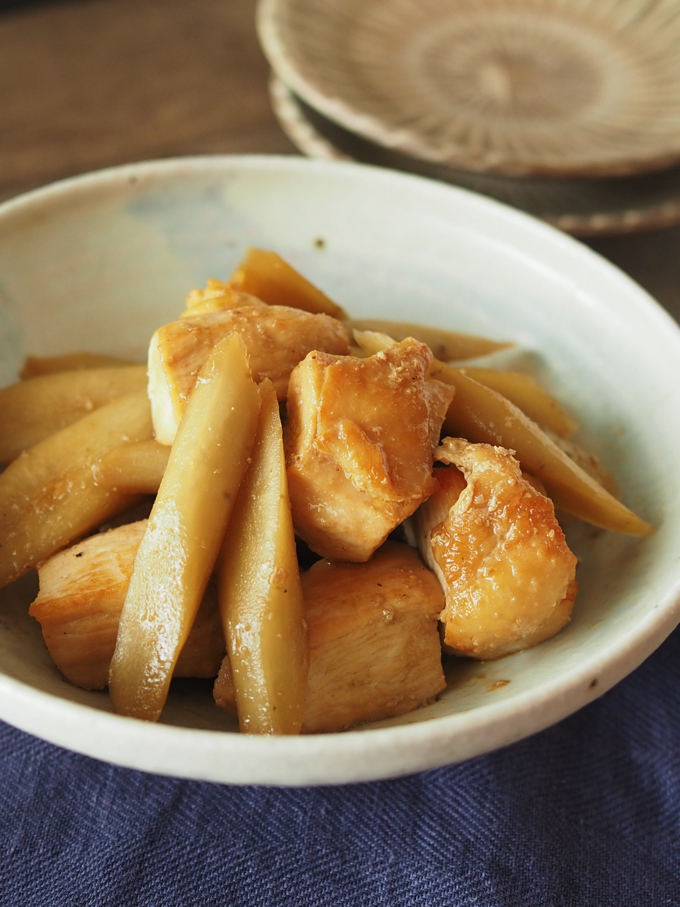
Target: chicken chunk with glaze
point(374, 649)
point(82, 592)
point(502, 559)
point(360, 442)
point(276, 337)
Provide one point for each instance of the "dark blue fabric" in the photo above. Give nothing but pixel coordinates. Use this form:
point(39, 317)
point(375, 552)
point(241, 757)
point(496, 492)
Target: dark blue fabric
point(585, 813)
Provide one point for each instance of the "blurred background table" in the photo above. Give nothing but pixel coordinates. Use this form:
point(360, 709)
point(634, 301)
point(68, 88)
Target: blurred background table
point(92, 83)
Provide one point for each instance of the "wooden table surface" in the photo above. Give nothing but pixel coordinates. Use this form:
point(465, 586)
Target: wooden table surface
point(86, 84)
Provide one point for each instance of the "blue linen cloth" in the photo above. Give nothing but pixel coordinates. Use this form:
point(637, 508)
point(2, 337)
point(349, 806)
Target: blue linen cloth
point(584, 813)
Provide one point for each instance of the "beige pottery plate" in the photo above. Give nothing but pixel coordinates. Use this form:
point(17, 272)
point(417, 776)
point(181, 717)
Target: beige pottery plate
point(518, 87)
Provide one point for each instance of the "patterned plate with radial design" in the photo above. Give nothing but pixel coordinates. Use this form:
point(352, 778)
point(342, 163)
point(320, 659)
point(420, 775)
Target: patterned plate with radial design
point(519, 87)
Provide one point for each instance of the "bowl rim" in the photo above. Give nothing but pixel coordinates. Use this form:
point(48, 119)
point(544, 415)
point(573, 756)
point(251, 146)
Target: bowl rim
point(413, 143)
point(304, 134)
point(354, 755)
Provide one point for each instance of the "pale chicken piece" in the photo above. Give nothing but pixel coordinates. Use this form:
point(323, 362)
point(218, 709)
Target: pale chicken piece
point(374, 645)
point(360, 442)
point(494, 542)
point(373, 642)
point(81, 597)
point(276, 338)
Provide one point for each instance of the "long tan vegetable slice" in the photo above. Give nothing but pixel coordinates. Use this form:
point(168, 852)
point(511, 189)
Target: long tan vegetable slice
point(445, 345)
point(588, 463)
point(134, 468)
point(266, 275)
point(374, 648)
point(32, 410)
point(527, 394)
point(82, 592)
point(277, 338)
point(185, 530)
point(480, 414)
point(259, 590)
point(47, 365)
point(49, 496)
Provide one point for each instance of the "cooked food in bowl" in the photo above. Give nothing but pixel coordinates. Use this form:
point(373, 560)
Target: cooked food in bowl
point(269, 415)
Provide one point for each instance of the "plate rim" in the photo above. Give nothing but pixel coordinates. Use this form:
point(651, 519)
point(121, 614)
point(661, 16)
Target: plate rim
point(408, 142)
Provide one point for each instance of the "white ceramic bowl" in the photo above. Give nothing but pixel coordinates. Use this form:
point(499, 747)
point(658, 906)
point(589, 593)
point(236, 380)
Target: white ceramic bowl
point(99, 261)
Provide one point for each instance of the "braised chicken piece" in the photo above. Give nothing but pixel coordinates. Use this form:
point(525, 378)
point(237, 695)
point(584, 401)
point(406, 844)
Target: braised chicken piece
point(360, 442)
point(494, 542)
point(373, 634)
point(276, 337)
point(82, 592)
point(373, 641)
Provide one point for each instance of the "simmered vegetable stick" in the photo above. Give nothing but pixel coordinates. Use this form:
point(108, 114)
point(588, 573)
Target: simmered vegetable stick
point(277, 338)
point(32, 410)
point(49, 497)
point(445, 345)
point(185, 530)
point(588, 463)
point(530, 396)
point(540, 406)
point(259, 590)
point(82, 592)
point(68, 362)
point(480, 414)
point(134, 468)
point(267, 276)
point(374, 648)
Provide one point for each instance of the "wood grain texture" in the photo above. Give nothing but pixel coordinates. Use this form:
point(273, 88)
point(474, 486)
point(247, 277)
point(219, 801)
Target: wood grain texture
point(94, 83)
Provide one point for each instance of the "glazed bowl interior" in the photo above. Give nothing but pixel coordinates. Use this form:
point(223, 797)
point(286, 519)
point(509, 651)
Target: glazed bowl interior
point(98, 262)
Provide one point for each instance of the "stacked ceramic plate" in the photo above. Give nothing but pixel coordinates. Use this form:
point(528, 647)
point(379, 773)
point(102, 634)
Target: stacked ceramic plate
point(568, 109)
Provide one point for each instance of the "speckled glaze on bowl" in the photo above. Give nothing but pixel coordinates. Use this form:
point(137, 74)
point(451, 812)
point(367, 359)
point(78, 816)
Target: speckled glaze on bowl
point(99, 261)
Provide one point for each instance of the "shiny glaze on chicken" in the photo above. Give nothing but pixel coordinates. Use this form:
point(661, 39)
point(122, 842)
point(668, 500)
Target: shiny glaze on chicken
point(276, 338)
point(494, 542)
point(360, 441)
